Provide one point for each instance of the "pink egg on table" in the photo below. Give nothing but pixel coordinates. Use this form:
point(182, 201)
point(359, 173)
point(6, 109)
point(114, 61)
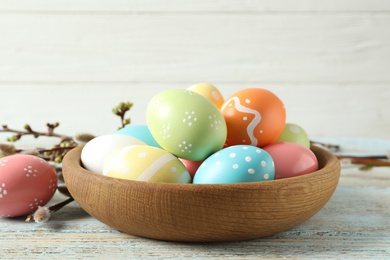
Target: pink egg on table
point(26, 182)
point(291, 159)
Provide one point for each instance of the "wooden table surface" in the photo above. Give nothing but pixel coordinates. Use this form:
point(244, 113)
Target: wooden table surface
point(354, 223)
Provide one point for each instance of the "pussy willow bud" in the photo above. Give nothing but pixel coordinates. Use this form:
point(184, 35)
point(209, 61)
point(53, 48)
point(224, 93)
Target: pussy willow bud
point(129, 105)
point(42, 214)
point(7, 149)
point(58, 159)
point(13, 138)
point(83, 138)
point(122, 106)
point(115, 111)
point(27, 127)
point(126, 121)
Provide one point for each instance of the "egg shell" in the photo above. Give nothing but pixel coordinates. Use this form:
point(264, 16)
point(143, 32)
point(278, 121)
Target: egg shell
point(192, 166)
point(210, 92)
point(140, 132)
point(294, 133)
point(186, 124)
point(253, 116)
point(146, 163)
point(96, 151)
point(234, 164)
point(291, 159)
point(26, 182)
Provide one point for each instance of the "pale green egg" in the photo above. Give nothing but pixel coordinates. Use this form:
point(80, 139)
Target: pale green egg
point(186, 124)
point(295, 134)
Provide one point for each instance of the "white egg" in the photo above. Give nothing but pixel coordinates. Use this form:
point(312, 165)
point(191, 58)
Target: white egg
point(96, 151)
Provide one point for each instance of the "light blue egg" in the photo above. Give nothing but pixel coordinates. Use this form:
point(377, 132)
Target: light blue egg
point(140, 132)
point(234, 164)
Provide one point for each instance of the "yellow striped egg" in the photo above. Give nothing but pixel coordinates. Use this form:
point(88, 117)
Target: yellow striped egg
point(146, 163)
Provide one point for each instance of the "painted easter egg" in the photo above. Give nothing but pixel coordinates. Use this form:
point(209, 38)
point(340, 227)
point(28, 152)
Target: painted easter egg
point(186, 124)
point(26, 182)
point(253, 116)
point(295, 134)
point(291, 159)
point(210, 92)
point(141, 132)
point(96, 151)
point(146, 163)
point(234, 164)
point(192, 166)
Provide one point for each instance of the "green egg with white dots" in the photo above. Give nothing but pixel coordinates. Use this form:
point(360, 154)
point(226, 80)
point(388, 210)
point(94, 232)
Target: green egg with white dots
point(294, 133)
point(186, 124)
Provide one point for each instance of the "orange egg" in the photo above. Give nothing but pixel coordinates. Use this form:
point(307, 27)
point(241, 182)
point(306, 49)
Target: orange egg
point(253, 116)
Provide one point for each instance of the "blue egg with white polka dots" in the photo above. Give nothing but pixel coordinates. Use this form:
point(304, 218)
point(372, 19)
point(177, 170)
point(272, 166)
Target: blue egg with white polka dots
point(234, 164)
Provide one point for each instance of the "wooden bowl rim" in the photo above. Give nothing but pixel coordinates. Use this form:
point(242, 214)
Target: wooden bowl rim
point(73, 160)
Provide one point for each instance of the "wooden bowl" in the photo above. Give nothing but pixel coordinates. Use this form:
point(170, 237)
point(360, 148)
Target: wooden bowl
point(202, 212)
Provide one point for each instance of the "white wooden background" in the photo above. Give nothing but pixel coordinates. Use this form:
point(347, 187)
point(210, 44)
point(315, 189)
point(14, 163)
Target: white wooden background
point(71, 60)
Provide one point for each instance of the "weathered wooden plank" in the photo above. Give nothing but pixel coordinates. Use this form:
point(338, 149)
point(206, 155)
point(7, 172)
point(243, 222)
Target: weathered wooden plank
point(234, 6)
point(186, 48)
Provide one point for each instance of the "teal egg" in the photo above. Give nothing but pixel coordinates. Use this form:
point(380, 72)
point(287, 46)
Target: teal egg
point(140, 132)
point(294, 133)
point(235, 164)
point(186, 124)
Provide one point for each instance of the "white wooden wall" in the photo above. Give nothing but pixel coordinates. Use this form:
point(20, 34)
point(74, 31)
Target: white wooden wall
point(73, 60)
